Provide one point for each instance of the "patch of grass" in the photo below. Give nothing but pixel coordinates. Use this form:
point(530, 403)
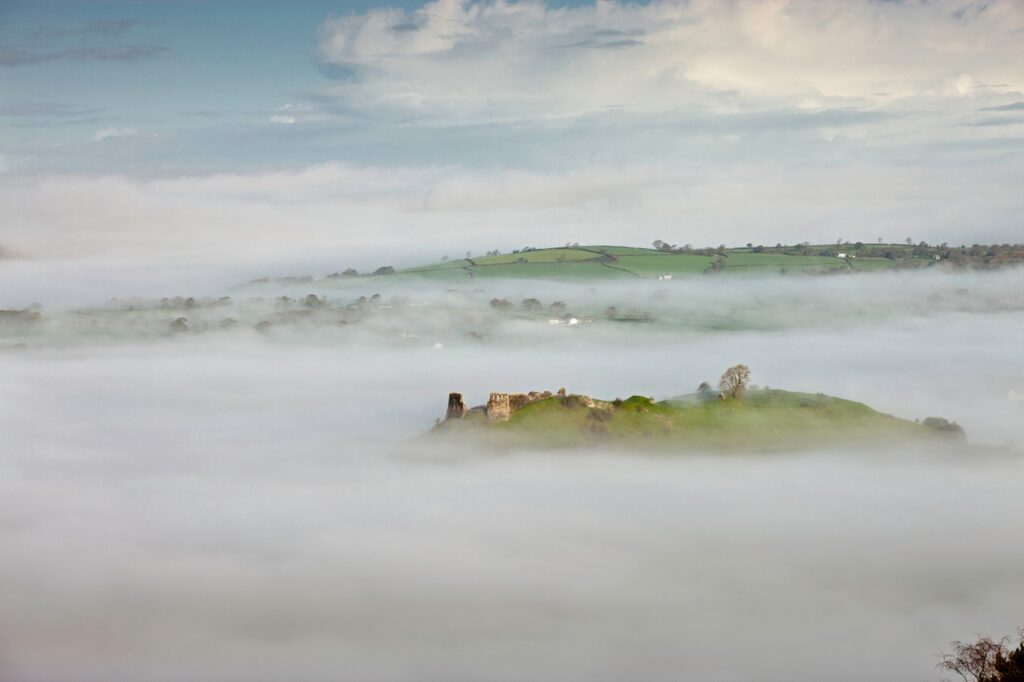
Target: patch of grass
point(872, 264)
point(556, 255)
point(625, 250)
point(445, 265)
point(609, 261)
point(654, 264)
point(744, 258)
point(551, 271)
point(444, 274)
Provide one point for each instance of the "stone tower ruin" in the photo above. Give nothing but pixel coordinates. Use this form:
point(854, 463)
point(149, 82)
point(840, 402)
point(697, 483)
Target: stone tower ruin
point(456, 407)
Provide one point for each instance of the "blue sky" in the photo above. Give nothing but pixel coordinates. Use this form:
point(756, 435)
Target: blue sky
point(198, 64)
point(217, 63)
point(473, 120)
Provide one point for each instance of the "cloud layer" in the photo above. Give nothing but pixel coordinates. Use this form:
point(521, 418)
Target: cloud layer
point(14, 56)
point(498, 60)
point(364, 214)
point(241, 499)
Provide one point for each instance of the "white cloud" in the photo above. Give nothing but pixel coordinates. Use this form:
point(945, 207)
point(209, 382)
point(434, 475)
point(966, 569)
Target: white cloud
point(386, 212)
point(300, 107)
point(499, 60)
point(292, 113)
point(109, 133)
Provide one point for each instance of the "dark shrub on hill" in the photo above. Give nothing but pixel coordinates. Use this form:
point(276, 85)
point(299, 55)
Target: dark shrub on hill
point(572, 401)
point(704, 391)
point(945, 427)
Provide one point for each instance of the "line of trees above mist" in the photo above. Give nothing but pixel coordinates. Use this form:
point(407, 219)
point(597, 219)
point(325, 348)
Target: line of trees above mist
point(975, 255)
point(908, 254)
point(907, 249)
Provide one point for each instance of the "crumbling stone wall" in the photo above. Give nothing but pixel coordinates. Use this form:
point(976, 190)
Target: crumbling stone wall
point(517, 401)
point(501, 406)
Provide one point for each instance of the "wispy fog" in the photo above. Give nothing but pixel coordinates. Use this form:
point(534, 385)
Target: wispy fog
point(225, 502)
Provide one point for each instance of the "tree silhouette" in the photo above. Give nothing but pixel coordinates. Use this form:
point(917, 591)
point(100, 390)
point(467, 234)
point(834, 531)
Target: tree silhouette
point(986, 660)
point(734, 382)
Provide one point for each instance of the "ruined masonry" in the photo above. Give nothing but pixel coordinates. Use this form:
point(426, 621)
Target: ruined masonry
point(456, 408)
point(500, 406)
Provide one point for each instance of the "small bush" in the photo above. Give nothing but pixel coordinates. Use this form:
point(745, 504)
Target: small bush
point(945, 427)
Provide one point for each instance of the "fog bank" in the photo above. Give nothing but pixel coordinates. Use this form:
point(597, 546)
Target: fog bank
point(232, 504)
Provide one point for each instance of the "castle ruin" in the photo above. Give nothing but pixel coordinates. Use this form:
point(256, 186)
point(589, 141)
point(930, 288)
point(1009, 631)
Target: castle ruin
point(456, 408)
point(500, 406)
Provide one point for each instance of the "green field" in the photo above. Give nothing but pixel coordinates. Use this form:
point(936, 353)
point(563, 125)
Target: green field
point(534, 270)
point(539, 256)
point(743, 258)
point(653, 265)
point(624, 250)
point(608, 262)
point(763, 420)
point(873, 264)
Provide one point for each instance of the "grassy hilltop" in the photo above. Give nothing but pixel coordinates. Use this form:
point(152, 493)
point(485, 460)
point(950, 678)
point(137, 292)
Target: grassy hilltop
point(605, 262)
point(762, 420)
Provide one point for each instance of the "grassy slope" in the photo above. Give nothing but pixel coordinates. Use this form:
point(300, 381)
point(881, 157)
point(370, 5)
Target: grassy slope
point(652, 265)
point(605, 262)
point(537, 270)
point(872, 264)
point(622, 250)
point(540, 256)
point(764, 420)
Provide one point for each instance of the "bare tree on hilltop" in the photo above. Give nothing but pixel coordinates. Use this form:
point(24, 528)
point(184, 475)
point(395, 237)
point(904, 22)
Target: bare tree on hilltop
point(734, 382)
point(987, 660)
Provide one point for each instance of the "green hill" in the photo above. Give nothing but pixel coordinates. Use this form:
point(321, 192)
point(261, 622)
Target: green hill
point(607, 262)
point(763, 420)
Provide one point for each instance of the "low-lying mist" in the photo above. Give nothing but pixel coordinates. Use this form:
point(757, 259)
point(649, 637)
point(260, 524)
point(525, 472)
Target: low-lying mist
point(913, 344)
point(223, 502)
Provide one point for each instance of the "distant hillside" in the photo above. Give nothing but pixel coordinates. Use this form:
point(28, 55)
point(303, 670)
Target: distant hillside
point(763, 420)
point(604, 262)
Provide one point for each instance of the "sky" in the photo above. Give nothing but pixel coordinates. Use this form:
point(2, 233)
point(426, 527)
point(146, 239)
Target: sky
point(261, 132)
